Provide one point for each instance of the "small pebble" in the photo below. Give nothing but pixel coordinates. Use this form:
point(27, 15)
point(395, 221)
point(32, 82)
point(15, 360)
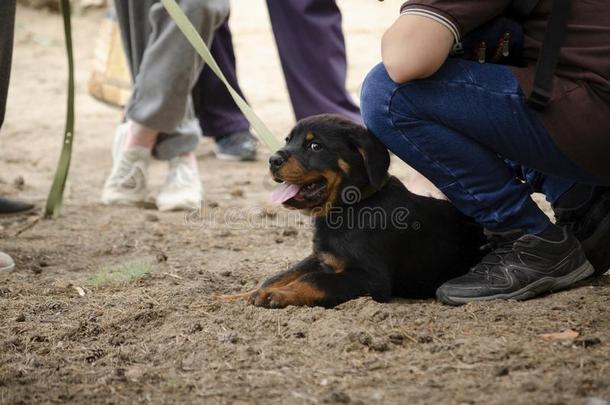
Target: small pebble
point(231, 338)
point(397, 338)
point(194, 328)
point(424, 339)
point(502, 371)
point(379, 345)
point(361, 337)
point(20, 318)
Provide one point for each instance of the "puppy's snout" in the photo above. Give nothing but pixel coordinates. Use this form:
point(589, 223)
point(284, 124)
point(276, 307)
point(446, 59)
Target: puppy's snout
point(277, 160)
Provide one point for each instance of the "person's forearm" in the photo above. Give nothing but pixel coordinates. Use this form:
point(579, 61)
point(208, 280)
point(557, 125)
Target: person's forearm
point(414, 48)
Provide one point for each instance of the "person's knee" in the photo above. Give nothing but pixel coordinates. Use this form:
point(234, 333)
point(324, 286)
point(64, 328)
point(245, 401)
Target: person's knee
point(217, 9)
point(375, 98)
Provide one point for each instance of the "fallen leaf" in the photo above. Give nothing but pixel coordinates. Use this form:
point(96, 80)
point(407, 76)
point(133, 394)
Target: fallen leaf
point(565, 335)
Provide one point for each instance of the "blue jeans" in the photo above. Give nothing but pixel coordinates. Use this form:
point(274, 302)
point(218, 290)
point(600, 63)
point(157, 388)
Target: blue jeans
point(468, 130)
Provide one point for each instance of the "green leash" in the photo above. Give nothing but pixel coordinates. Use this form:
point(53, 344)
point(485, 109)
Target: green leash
point(191, 34)
point(55, 199)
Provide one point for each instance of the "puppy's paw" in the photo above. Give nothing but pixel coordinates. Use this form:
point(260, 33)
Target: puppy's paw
point(296, 293)
point(280, 299)
point(262, 297)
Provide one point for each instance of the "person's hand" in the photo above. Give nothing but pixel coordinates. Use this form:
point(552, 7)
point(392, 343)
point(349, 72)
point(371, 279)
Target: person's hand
point(418, 184)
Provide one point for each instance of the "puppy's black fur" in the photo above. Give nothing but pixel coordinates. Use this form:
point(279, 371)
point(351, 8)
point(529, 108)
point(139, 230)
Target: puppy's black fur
point(372, 236)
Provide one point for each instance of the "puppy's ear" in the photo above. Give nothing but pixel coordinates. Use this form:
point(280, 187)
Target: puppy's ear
point(374, 153)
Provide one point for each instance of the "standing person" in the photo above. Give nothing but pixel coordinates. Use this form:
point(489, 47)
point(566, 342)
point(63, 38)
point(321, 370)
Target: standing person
point(467, 127)
point(311, 45)
point(7, 28)
point(160, 121)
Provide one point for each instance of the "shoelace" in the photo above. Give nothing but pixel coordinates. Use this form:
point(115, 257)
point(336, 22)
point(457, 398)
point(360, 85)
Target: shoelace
point(125, 172)
point(498, 247)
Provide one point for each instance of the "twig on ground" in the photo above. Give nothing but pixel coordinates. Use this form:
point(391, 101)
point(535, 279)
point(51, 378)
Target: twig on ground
point(28, 226)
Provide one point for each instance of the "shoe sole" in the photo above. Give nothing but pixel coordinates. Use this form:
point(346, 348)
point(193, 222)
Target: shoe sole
point(122, 199)
point(8, 268)
point(538, 287)
point(178, 207)
point(600, 238)
point(232, 158)
point(11, 214)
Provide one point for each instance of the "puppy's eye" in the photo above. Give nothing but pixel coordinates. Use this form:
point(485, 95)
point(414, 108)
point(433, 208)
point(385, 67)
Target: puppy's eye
point(316, 147)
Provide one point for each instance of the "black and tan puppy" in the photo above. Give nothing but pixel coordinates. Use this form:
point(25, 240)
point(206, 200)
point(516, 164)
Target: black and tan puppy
point(372, 236)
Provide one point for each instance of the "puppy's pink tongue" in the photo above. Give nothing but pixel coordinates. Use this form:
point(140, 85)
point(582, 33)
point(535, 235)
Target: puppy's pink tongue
point(284, 192)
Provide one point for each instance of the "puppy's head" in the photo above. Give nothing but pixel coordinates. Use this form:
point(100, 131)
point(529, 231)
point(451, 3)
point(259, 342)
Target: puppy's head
point(323, 155)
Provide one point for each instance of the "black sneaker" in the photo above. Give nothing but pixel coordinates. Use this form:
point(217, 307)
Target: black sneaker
point(519, 267)
point(589, 220)
point(240, 146)
point(12, 207)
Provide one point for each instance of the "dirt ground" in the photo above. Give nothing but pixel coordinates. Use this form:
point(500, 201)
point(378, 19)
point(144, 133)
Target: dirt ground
point(163, 338)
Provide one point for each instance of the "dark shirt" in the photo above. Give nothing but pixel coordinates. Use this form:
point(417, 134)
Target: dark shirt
point(578, 117)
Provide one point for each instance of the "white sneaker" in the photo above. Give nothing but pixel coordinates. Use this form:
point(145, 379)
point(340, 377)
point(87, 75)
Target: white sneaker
point(182, 189)
point(6, 262)
point(120, 137)
point(127, 181)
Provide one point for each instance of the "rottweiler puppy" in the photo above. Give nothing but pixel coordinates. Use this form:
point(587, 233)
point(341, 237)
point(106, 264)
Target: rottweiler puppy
point(372, 237)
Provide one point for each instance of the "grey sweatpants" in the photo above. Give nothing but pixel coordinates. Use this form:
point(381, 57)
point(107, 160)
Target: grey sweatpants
point(7, 26)
point(165, 68)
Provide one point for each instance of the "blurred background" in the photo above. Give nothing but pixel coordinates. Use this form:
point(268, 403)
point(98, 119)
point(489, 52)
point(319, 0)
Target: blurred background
point(31, 138)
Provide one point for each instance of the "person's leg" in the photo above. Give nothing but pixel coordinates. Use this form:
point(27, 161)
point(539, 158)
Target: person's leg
point(170, 66)
point(552, 187)
point(7, 26)
point(312, 51)
point(218, 114)
point(457, 128)
point(160, 115)
point(437, 125)
point(216, 110)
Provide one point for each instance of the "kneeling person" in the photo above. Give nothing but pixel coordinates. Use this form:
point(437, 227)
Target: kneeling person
point(467, 127)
